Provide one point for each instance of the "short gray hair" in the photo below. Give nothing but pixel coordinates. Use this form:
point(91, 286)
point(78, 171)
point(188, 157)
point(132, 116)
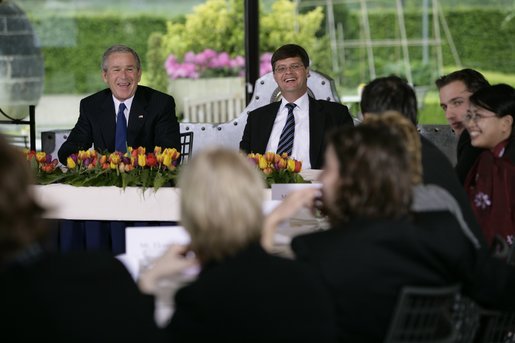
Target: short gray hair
point(119, 48)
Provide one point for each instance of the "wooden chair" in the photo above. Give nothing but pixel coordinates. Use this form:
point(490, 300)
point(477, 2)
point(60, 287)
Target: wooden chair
point(424, 314)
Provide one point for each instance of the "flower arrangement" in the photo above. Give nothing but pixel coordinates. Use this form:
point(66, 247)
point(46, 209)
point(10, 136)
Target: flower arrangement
point(278, 168)
point(210, 63)
point(91, 168)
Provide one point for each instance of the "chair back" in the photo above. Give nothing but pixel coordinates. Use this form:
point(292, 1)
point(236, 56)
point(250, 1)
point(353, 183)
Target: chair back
point(424, 314)
point(186, 146)
point(497, 327)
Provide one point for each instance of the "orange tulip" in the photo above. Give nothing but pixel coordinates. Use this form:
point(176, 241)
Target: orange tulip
point(270, 157)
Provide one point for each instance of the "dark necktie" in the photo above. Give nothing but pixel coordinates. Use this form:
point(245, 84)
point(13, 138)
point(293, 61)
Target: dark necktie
point(286, 139)
point(120, 142)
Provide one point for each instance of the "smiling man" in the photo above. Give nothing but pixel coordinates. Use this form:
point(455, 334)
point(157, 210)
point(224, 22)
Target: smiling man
point(455, 90)
point(297, 124)
point(125, 114)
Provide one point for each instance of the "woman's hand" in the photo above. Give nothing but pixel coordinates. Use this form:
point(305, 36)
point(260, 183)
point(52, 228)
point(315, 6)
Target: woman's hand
point(304, 198)
point(174, 261)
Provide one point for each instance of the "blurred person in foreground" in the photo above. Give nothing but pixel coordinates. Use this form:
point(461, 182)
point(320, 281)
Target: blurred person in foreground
point(455, 90)
point(242, 293)
point(490, 183)
point(392, 93)
point(125, 113)
point(297, 124)
point(376, 244)
point(59, 298)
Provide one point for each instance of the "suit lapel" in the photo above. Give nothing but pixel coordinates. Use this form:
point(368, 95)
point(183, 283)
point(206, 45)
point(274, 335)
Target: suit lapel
point(267, 123)
point(316, 129)
point(136, 116)
point(107, 122)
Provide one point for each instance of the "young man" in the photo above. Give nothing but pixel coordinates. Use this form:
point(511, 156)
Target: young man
point(395, 94)
point(455, 89)
point(298, 123)
point(125, 114)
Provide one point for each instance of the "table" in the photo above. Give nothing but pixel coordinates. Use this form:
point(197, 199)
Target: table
point(95, 218)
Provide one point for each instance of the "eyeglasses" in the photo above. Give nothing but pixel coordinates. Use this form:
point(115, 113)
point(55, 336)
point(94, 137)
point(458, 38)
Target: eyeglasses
point(293, 67)
point(475, 117)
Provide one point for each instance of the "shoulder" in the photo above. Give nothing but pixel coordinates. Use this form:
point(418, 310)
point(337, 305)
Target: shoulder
point(510, 151)
point(435, 219)
point(271, 107)
point(150, 93)
point(328, 105)
point(97, 97)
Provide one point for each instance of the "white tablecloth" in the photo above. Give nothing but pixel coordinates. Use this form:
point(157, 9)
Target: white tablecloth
point(111, 203)
point(114, 203)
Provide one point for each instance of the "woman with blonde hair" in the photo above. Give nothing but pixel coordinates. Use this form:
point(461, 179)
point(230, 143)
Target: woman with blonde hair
point(242, 294)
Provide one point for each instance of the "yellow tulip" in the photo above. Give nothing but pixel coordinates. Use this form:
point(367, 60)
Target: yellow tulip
point(167, 160)
point(291, 165)
point(262, 163)
point(142, 160)
point(70, 163)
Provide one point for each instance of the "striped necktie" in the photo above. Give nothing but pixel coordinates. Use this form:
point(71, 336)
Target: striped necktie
point(120, 141)
point(288, 133)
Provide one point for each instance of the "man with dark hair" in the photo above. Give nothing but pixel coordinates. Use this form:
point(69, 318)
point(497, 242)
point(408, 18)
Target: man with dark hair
point(392, 93)
point(455, 89)
point(125, 114)
point(297, 124)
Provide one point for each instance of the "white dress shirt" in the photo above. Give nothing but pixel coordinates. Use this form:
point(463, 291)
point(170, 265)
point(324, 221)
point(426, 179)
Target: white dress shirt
point(128, 104)
point(301, 139)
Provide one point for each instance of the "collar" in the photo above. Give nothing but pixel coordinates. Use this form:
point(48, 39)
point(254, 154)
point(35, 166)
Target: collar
point(301, 103)
point(499, 149)
point(127, 102)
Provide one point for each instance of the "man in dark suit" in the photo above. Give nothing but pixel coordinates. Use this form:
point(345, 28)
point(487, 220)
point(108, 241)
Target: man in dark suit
point(394, 94)
point(311, 118)
point(454, 90)
point(147, 116)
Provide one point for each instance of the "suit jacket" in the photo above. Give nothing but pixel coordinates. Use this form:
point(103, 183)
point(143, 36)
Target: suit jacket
point(323, 116)
point(74, 298)
point(366, 263)
point(253, 297)
point(466, 156)
point(152, 122)
point(438, 170)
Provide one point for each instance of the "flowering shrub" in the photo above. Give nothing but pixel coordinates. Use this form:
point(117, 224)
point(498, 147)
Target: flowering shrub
point(90, 168)
point(278, 168)
point(210, 63)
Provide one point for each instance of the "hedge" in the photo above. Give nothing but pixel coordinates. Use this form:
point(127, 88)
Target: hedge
point(72, 46)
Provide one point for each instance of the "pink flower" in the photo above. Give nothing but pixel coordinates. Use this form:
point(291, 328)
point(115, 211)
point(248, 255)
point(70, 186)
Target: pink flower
point(190, 57)
point(237, 62)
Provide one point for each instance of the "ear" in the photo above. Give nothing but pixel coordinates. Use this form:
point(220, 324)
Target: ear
point(509, 119)
point(508, 122)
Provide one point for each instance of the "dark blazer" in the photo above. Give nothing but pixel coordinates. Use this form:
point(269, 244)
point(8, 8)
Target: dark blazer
point(74, 298)
point(366, 263)
point(152, 122)
point(466, 156)
point(253, 297)
point(438, 170)
point(323, 116)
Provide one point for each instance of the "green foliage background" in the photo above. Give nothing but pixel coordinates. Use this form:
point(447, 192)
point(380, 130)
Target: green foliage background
point(72, 44)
